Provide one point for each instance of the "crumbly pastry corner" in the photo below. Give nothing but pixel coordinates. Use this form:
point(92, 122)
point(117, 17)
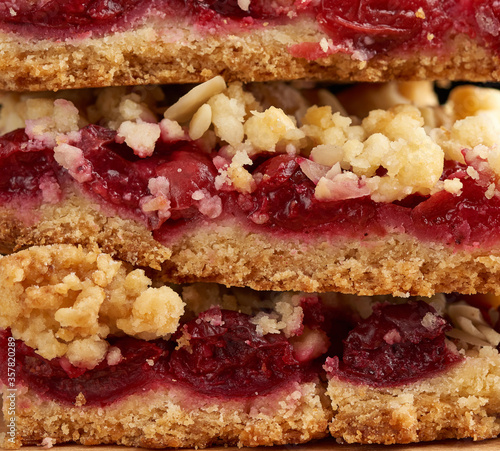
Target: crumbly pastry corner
point(462, 403)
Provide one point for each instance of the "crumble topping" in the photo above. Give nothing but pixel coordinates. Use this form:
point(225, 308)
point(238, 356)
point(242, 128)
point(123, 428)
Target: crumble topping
point(112, 106)
point(71, 158)
point(273, 313)
point(64, 302)
point(453, 186)
point(286, 317)
point(139, 136)
point(393, 144)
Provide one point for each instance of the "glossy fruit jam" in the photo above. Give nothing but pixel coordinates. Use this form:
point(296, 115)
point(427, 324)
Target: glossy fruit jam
point(395, 345)
point(368, 26)
point(220, 354)
point(176, 188)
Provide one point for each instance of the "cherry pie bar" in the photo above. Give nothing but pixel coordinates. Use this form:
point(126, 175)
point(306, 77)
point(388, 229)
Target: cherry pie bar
point(105, 353)
point(60, 44)
point(274, 187)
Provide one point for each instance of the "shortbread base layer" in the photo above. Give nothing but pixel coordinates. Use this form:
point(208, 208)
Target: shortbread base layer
point(173, 418)
point(396, 264)
point(169, 52)
point(464, 402)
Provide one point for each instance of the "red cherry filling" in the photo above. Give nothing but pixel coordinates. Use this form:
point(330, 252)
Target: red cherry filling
point(220, 354)
point(64, 13)
point(188, 173)
point(283, 200)
point(482, 17)
point(258, 9)
point(24, 168)
point(225, 356)
point(397, 344)
point(380, 25)
point(469, 218)
point(362, 27)
point(60, 381)
point(121, 179)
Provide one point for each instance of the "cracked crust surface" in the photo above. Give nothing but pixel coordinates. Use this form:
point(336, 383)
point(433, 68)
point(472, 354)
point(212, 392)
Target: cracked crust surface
point(167, 53)
point(395, 264)
point(463, 402)
point(171, 417)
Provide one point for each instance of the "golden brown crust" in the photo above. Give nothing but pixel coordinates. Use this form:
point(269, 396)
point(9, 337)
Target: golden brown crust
point(171, 417)
point(396, 264)
point(169, 53)
point(463, 402)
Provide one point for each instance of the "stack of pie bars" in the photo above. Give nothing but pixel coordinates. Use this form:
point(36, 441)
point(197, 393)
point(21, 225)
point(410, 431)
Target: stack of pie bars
point(249, 223)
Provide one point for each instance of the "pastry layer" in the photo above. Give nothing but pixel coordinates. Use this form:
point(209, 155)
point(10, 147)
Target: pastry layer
point(233, 256)
point(82, 368)
point(175, 418)
point(316, 40)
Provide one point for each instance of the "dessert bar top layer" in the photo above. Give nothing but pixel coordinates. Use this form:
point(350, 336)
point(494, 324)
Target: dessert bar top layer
point(55, 45)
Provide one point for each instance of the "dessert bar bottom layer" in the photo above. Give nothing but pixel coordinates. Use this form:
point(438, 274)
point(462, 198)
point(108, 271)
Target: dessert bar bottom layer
point(171, 418)
point(95, 351)
point(464, 402)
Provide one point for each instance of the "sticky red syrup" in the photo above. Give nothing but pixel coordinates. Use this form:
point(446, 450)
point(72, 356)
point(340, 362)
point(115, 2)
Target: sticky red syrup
point(395, 346)
point(225, 356)
point(65, 14)
point(220, 354)
point(57, 379)
point(377, 26)
point(121, 179)
point(24, 167)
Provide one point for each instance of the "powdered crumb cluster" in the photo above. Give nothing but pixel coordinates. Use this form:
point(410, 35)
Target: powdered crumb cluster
point(64, 302)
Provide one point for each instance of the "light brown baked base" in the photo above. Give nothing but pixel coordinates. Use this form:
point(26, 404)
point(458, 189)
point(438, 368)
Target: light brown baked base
point(174, 418)
point(173, 53)
point(463, 402)
point(397, 264)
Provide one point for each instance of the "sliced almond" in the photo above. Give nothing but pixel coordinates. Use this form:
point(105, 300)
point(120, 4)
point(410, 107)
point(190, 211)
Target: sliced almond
point(187, 105)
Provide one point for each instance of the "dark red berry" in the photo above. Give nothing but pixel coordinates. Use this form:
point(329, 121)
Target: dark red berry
point(222, 354)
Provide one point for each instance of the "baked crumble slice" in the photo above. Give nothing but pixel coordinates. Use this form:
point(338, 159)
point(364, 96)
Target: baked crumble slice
point(457, 403)
point(127, 42)
point(211, 375)
point(261, 368)
point(226, 171)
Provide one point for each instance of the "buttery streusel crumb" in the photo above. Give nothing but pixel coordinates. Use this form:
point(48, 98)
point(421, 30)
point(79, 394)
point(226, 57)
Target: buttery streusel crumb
point(64, 301)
